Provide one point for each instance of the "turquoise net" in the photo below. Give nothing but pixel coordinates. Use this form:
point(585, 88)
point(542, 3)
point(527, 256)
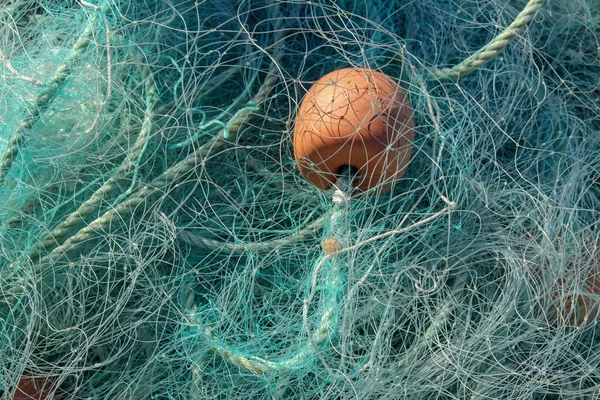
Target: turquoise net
point(158, 242)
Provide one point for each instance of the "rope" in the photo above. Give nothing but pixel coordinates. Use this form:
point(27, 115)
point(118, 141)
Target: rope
point(491, 50)
point(45, 98)
point(174, 173)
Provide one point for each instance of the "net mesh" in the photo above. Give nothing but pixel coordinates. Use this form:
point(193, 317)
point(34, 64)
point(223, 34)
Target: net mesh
point(157, 240)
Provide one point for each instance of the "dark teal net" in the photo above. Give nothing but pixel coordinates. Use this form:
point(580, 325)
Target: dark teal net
point(158, 242)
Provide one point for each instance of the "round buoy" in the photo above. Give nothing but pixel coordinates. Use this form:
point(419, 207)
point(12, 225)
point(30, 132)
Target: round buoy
point(358, 118)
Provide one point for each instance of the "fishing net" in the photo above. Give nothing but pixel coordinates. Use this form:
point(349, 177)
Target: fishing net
point(157, 240)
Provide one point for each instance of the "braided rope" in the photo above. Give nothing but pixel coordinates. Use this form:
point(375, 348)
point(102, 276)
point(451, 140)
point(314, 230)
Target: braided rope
point(43, 100)
point(174, 173)
point(326, 272)
point(130, 161)
point(495, 46)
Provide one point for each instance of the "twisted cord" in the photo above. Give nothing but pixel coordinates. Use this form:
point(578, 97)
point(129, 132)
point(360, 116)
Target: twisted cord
point(174, 173)
point(327, 265)
point(239, 248)
point(491, 50)
point(43, 100)
point(131, 161)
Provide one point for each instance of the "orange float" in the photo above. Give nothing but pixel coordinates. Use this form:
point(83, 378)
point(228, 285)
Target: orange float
point(580, 308)
point(354, 117)
point(32, 389)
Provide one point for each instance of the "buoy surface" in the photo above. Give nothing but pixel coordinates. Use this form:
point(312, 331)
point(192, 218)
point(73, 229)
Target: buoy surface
point(355, 117)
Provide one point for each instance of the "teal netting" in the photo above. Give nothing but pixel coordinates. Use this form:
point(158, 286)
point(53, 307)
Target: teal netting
point(158, 242)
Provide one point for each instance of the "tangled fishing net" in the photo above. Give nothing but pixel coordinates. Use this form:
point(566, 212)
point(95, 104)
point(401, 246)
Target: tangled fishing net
point(157, 240)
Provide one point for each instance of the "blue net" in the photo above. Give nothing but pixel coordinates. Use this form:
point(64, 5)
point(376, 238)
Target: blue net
point(157, 240)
